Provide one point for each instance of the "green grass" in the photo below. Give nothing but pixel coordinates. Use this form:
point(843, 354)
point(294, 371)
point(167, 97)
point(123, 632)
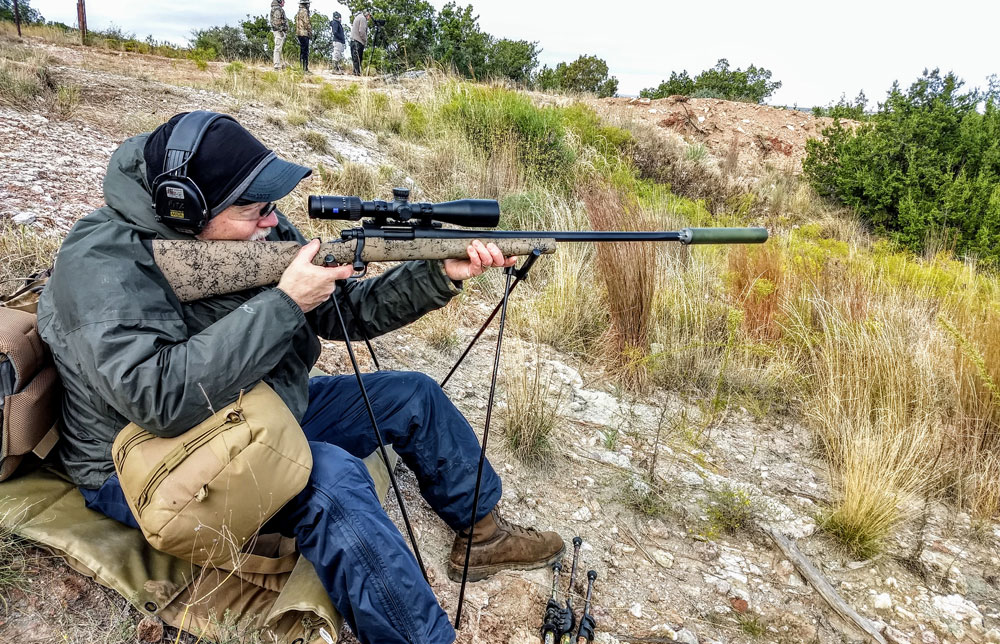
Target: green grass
point(331, 97)
point(493, 119)
point(863, 535)
point(730, 510)
point(646, 496)
point(316, 141)
point(751, 625)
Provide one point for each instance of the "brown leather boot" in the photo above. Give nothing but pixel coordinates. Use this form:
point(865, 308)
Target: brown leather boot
point(498, 545)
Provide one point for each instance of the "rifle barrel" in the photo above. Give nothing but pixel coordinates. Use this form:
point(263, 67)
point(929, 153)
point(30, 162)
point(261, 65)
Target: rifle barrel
point(685, 236)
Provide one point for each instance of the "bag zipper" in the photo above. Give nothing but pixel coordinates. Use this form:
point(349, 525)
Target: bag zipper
point(134, 440)
point(177, 456)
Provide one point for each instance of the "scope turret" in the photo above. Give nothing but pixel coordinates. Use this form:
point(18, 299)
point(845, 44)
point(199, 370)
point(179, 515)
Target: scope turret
point(479, 213)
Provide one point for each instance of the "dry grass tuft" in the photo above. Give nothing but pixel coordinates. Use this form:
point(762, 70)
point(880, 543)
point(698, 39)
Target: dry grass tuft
point(875, 410)
point(351, 179)
point(316, 140)
point(756, 278)
point(14, 565)
point(25, 79)
point(974, 441)
point(440, 328)
point(533, 402)
point(566, 311)
point(627, 271)
point(25, 251)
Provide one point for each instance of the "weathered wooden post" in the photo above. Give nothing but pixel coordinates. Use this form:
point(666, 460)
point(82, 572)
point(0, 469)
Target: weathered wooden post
point(17, 18)
point(81, 17)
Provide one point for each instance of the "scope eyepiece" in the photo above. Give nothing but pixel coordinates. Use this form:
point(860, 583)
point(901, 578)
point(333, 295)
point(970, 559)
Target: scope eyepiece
point(473, 213)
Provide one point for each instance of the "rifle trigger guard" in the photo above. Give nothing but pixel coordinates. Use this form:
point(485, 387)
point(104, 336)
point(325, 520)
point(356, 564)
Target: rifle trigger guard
point(360, 267)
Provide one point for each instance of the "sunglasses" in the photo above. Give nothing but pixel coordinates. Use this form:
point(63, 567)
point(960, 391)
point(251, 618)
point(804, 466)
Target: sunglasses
point(265, 210)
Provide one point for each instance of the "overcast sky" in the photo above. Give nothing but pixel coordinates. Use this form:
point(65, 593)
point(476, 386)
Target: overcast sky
point(818, 50)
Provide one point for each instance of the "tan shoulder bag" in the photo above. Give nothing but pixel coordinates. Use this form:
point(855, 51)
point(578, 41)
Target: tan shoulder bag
point(202, 495)
point(30, 390)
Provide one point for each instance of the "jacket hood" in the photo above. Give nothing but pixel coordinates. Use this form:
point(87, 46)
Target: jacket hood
point(127, 193)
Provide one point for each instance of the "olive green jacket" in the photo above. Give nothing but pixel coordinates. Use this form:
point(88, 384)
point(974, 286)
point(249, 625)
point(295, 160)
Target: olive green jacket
point(128, 351)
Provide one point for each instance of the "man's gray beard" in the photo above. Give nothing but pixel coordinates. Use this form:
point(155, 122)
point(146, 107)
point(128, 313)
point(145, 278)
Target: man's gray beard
point(259, 235)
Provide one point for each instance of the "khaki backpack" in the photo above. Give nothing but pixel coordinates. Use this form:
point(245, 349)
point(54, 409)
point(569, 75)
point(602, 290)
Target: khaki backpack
point(30, 392)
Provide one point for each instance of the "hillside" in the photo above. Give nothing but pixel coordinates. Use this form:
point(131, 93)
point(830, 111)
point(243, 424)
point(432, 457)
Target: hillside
point(668, 489)
point(750, 135)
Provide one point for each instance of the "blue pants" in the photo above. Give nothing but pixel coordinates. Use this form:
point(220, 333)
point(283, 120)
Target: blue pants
point(337, 520)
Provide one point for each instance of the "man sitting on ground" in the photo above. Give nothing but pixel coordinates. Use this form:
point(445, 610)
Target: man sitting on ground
point(128, 350)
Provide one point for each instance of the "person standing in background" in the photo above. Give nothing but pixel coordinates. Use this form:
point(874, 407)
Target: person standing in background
point(303, 28)
point(359, 38)
point(279, 27)
point(339, 43)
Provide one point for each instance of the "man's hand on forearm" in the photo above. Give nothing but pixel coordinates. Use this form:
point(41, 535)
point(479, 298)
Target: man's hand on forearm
point(481, 257)
point(310, 285)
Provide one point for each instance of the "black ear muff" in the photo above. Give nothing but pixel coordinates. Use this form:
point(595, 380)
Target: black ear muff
point(177, 199)
point(180, 204)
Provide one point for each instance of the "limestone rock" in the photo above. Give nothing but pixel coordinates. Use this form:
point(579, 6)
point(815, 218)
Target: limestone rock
point(928, 637)
point(523, 637)
point(957, 608)
point(895, 636)
point(663, 558)
point(686, 637)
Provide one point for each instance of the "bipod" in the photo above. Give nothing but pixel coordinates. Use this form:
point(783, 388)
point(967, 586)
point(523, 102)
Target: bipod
point(510, 272)
point(378, 436)
point(555, 617)
point(567, 633)
point(364, 335)
point(519, 274)
point(587, 624)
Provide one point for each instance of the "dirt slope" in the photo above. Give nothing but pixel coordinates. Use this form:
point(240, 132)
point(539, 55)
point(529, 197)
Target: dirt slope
point(756, 134)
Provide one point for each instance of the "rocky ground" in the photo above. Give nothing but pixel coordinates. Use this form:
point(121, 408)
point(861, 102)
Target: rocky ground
point(650, 485)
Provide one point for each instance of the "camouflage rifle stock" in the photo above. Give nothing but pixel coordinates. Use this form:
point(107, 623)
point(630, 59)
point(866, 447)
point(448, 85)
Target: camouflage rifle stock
point(198, 269)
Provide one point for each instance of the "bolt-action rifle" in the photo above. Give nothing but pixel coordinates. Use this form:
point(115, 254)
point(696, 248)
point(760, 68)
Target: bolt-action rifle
point(394, 231)
point(397, 231)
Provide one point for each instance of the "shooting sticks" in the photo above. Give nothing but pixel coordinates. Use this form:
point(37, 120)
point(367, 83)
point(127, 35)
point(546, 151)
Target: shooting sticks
point(587, 623)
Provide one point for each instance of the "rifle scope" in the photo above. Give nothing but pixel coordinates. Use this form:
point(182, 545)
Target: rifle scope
point(463, 212)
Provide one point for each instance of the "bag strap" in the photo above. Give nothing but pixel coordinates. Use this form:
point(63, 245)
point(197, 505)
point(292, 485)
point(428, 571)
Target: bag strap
point(282, 558)
point(20, 342)
point(47, 442)
point(26, 297)
point(261, 565)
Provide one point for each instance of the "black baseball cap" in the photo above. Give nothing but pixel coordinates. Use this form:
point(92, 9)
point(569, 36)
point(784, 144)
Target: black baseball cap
point(229, 164)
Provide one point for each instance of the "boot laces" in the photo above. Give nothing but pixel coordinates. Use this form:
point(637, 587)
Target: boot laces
point(513, 527)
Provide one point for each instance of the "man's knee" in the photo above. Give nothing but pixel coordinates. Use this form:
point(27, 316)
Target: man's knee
point(418, 387)
point(336, 472)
